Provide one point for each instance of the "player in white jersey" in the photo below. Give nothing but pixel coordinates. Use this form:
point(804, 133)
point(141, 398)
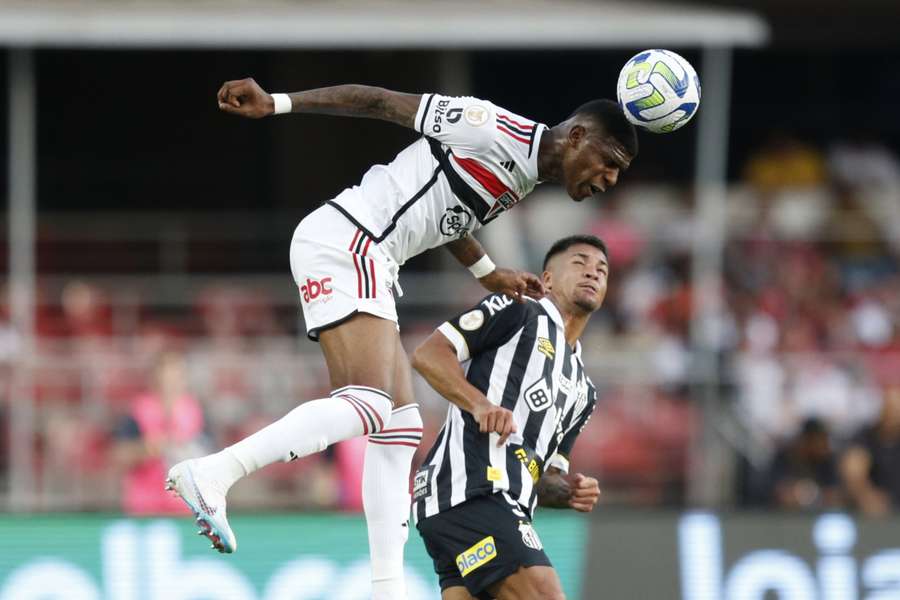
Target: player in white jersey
point(474, 161)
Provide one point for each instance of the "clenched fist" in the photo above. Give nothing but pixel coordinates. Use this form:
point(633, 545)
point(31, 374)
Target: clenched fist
point(244, 97)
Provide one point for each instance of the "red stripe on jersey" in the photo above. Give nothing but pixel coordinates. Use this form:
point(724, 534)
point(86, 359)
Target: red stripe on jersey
point(366, 247)
point(512, 135)
point(516, 123)
point(355, 237)
point(488, 180)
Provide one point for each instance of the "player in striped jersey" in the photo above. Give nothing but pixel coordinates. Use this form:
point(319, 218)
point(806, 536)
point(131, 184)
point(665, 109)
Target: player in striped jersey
point(474, 161)
point(516, 410)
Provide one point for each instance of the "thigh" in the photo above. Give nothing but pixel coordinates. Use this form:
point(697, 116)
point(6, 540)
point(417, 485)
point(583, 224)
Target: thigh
point(530, 583)
point(403, 387)
point(456, 593)
point(362, 351)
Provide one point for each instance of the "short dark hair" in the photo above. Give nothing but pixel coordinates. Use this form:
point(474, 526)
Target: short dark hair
point(611, 116)
point(564, 244)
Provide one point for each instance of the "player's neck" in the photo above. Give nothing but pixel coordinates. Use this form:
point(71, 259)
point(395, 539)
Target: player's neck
point(574, 319)
point(549, 160)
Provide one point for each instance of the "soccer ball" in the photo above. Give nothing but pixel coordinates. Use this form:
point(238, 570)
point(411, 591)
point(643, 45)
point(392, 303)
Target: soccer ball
point(658, 90)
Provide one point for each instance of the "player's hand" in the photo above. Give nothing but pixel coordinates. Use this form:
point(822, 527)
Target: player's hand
point(585, 492)
point(244, 97)
point(494, 419)
point(513, 283)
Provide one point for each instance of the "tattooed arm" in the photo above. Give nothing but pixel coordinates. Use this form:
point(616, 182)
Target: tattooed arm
point(246, 98)
point(555, 492)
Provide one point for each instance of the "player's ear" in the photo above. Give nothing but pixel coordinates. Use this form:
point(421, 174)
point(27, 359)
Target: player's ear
point(577, 134)
point(547, 280)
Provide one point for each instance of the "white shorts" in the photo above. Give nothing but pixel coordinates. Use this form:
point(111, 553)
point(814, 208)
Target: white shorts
point(340, 272)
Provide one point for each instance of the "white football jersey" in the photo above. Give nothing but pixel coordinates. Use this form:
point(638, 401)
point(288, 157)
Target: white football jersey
point(475, 161)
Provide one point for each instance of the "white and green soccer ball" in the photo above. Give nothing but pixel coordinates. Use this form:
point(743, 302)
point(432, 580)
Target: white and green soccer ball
point(658, 90)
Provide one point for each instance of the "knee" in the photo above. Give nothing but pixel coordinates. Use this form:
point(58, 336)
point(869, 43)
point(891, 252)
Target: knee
point(373, 405)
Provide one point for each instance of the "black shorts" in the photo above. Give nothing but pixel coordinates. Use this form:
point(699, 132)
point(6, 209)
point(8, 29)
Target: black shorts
point(480, 542)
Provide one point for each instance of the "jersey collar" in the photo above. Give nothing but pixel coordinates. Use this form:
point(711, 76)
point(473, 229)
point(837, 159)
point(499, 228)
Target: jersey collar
point(556, 317)
point(540, 128)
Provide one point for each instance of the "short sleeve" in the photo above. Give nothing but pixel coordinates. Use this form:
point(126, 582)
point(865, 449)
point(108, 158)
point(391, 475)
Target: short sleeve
point(490, 324)
point(560, 459)
point(461, 122)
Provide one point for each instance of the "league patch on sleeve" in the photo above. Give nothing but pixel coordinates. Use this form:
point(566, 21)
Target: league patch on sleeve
point(472, 320)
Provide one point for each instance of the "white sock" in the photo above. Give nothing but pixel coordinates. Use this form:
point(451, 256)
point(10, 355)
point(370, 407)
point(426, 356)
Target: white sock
point(311, 427)
point(386, 499)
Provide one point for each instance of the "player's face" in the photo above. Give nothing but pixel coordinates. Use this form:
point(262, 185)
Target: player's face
point(579, 276)
point(592, 165)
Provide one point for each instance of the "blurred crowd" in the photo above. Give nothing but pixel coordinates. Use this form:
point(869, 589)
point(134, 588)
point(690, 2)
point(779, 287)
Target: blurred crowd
point(807, 348)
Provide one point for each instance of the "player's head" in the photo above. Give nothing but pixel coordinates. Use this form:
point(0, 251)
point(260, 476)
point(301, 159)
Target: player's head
point(597, 144)
point(576, 269)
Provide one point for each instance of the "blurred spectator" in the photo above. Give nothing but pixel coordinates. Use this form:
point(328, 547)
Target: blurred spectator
point(804, 472)
point(871, 465)
point(164, 426)
point(785, 162)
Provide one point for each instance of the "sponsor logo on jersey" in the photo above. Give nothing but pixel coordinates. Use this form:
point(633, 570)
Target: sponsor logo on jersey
point(455, 222)
point(545, 347)
point(314, 288)
point(477, 556)
point(508, 165)
point(440, 112)
point(495, 304)
point(494, 474)
point(529, 536)
point(476, 115)
point(422, 483)
point(538, 397)
point(454, 115)
point(529, 459)
point(472, 320)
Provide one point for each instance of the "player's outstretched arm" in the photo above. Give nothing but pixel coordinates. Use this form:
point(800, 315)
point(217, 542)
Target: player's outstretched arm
point(437, 362)
point(515, 284)
point(555, 492)
point(246, 98)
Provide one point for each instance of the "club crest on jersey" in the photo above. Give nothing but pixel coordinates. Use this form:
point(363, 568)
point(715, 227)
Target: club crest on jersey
point(504, 202)
point(529, 536)
point(477, 556)
point(455, 222)
point(545, 347)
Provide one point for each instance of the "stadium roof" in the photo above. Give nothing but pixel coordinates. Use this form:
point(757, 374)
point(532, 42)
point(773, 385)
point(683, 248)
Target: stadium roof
point(362, 24)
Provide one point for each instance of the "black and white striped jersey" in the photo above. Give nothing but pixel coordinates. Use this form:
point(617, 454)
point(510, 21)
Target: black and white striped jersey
point(518, 357)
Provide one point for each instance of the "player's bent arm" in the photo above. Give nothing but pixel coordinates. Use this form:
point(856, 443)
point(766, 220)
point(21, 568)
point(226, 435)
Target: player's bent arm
point(515, 284)
point(553, 490)
point(246, 98)
point(437, 361)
